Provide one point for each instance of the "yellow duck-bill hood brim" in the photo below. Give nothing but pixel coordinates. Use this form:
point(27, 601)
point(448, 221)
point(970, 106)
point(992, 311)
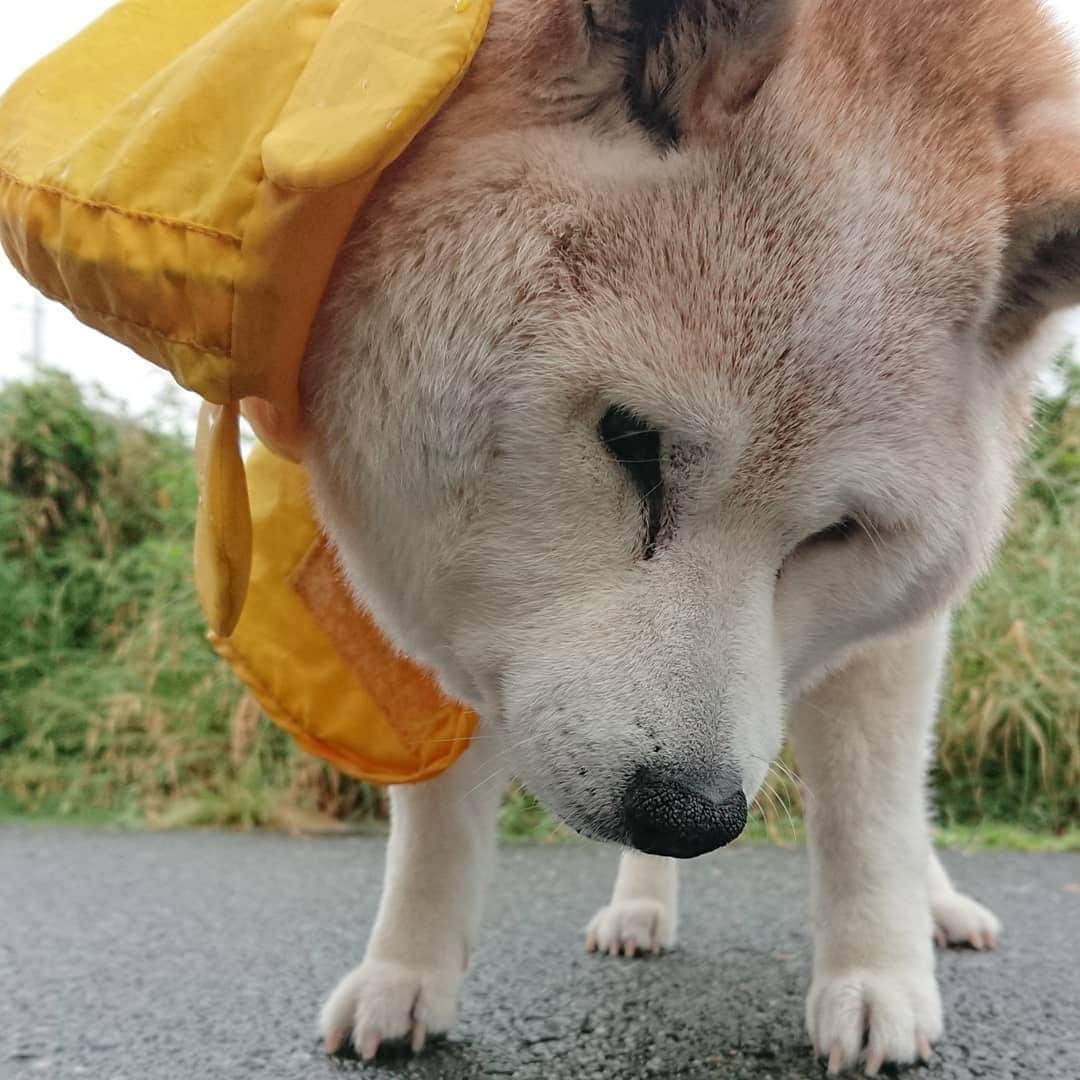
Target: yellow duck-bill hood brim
point(182, 175)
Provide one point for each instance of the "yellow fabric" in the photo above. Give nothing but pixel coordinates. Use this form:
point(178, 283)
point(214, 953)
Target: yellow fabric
point(182, 175)
point(223, 517)
point(317, 664)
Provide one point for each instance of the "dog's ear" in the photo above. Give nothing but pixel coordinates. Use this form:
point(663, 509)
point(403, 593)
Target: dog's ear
point(651, 60)
point(669, 48)
point(1041, 269)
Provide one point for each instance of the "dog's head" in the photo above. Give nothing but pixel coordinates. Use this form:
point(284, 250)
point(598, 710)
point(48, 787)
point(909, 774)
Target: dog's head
point(683, 353)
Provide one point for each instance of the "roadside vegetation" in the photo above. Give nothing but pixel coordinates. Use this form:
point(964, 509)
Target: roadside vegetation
point(114, 709)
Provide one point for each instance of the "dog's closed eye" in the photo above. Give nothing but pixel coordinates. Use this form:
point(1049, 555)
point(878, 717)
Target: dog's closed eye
point(636, 447)
point(834, 536)
point(837, 533)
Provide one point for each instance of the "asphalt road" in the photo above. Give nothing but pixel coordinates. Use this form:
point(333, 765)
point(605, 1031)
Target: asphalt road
point(141, 956)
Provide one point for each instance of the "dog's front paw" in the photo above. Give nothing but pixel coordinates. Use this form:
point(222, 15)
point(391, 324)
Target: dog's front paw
point(959, 920)
point(631, 927)
point(888, 1014)
point(381, 1002)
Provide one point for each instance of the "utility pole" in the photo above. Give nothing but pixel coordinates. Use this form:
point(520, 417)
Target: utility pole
point(37, 332)
point(35, 354)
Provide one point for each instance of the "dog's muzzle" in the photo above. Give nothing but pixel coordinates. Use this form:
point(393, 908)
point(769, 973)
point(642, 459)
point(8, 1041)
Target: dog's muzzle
point(667, 816)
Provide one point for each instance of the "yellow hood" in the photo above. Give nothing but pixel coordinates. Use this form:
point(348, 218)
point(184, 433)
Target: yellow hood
point(318, 665)
point(182, 176)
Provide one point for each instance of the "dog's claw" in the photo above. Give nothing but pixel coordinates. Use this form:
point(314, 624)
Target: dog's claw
point(836, 1059)
point(963, 921)
point(630, 948)
point(334, 1039)
point(591, 943)
point(922, 1044)
point(369, 1047)
point(874, 1060)
point(419, 1036)
point(941, 939)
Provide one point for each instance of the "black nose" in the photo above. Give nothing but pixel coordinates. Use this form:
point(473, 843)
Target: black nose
point(665, 816)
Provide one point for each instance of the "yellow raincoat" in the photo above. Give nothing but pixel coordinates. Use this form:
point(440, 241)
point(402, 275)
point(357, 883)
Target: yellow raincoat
point(181, 176)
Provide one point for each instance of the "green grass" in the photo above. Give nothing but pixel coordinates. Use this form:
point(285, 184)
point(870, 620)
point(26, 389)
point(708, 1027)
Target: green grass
point(521, 818)
point(1000, 836)
point(1010, 729)
point(112, 704)
point(986, 836)
point(113, 708)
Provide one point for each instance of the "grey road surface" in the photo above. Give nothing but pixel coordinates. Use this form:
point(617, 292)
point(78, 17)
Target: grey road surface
point(197, 956)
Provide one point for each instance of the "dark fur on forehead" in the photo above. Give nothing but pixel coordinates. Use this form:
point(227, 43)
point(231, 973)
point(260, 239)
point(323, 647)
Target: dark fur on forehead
point(667, 45)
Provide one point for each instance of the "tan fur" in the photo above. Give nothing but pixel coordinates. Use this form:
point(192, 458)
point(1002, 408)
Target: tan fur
point(816, 245)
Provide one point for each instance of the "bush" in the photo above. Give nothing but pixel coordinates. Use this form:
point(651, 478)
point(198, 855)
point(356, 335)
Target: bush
point(1009, 745)
point(111, 700)
point(113, 704)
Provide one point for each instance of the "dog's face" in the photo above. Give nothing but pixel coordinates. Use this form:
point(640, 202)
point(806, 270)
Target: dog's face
point(677, 359)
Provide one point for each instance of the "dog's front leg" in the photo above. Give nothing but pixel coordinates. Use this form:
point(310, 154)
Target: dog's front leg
point(441, 850)
point(862, 739)
point(643, 913)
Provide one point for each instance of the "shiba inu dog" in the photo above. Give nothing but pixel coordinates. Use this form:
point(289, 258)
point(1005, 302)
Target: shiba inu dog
point(668, 397)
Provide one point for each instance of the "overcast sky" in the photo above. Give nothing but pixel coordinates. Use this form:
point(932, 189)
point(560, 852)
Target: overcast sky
point(38, 28)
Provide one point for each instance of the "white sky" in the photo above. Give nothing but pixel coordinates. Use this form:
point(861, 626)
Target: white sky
point(92, 358)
